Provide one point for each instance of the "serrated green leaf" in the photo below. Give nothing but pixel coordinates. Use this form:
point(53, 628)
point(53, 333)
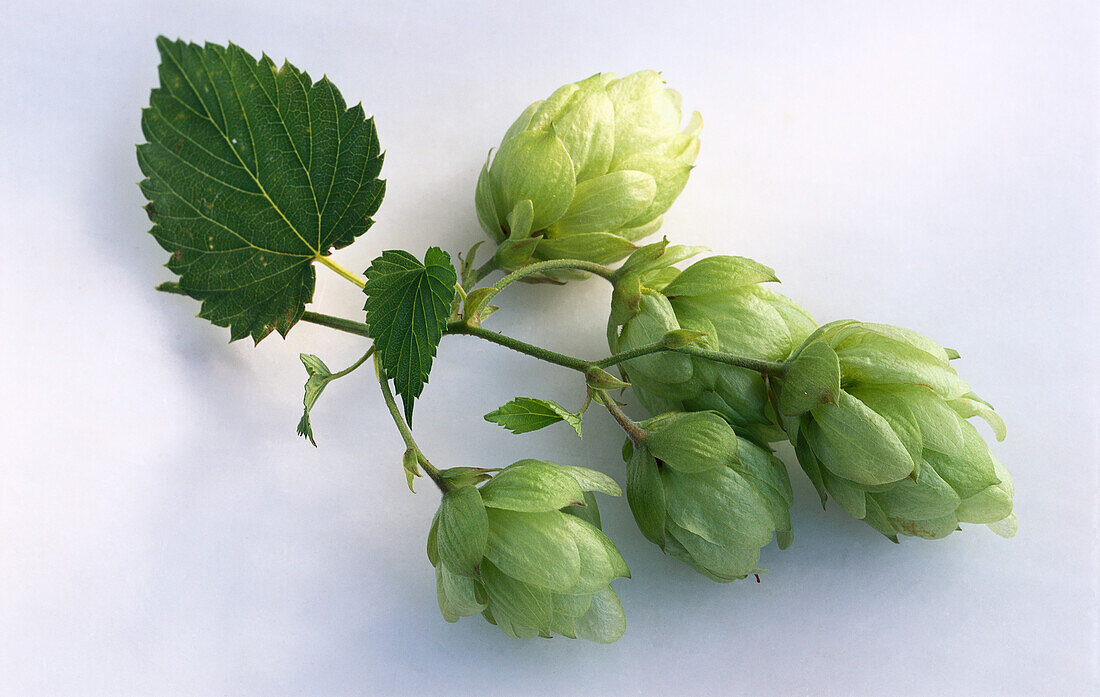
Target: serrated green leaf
point(319, 377)
point(253, 172)
point(526, 414)
point(407, 307)
point(811, 378)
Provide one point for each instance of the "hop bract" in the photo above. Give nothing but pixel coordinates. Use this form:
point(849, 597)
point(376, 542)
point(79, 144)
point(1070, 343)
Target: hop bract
point(508, 551)
point(588, 171)
point(879, 421)
point(706, 497)
point(722, 299)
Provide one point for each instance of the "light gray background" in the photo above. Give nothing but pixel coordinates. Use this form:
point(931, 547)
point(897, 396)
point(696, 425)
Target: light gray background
point(164, 531)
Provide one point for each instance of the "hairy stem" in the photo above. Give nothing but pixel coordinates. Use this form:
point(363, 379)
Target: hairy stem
point(547, 355)
point(636, 433)
point(345, 325)
point(406, 432)
point(353, 366)
point(760, 366)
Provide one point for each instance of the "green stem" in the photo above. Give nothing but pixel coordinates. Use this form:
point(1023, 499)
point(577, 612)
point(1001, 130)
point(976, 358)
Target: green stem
point(521, 346)
point(542, 267)
point(760, 366)
point(406, 432)
point(636, 433)
point(353, 366)
point(345, 325)
point(360, 329)
point(486, 269)
point(353, 277)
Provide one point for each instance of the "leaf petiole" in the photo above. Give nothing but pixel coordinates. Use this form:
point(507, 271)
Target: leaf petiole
point(340, 270)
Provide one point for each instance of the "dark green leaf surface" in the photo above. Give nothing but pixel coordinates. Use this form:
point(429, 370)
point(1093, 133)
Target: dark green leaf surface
point(526, 414)
point(407, 307)
point(252, 172)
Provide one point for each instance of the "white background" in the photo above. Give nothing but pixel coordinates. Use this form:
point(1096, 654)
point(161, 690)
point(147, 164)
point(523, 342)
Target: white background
point(164, 531)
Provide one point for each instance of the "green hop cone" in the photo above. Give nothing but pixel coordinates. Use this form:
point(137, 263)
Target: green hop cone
point(879, 421)
point(588, 171)
point(525, 550)
point(721, 299)
point(706, 497)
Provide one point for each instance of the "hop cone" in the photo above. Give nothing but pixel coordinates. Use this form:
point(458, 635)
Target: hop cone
point(508, 551)
point(720, 298)
point(879, 421)
point(706, 497)
point(588, 171)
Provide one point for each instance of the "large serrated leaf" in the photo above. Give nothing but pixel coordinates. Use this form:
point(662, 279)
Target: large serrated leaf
point(526, 414)
point(252, 173)
point(407, 307)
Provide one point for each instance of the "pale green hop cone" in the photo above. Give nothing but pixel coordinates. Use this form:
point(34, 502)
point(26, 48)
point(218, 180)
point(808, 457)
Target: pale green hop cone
point(722, 299)
point(587, 172)
point(706, 497)
point(525, 550)
point(879, 421)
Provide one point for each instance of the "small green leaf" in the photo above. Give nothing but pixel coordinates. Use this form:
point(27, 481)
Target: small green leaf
point(678, 338)
point(592, 480)
point(319, 377)
point(526, 414)
point(811, 378)
point(854, 442)
point(532, 486)
point(486, 207)
point(512, 254)
point(466, 476)
point(606, 202)
point(474, 307)
point(605, 621)
point(698, 441)
point(463, 531)
point(252, 173)
point(646, 496)
point(535, 548)
point(600, 247)
point(515, 601)
point(519, 220)
point(534, 165)
point(718, 274)
point(407, 307)
point(467, 272)
point(411, 465)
